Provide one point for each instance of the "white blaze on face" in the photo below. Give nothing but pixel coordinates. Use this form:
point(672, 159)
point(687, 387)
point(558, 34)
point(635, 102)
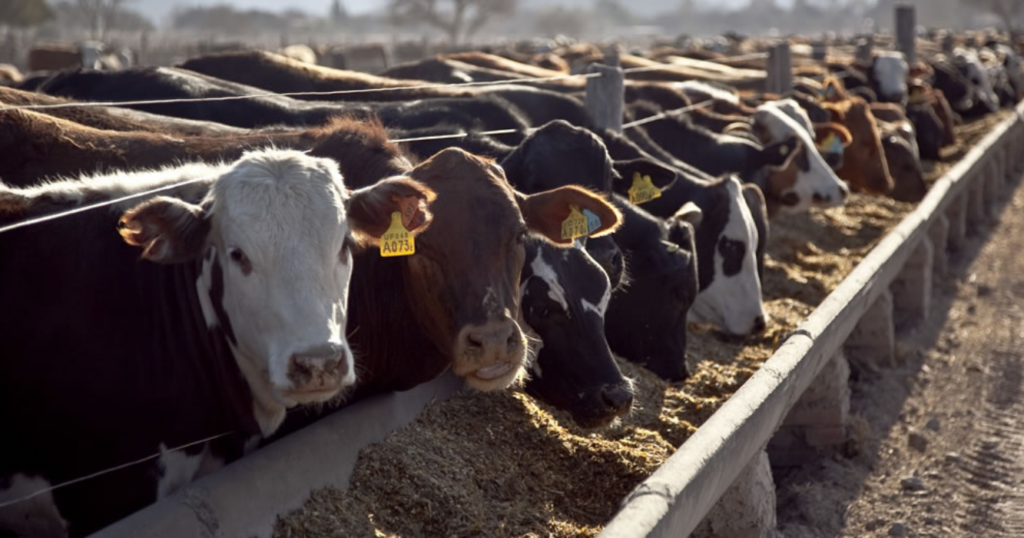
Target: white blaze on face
point(818, 185)
point(278, 272)
point(543, 270)
point(37, 516)
point(733, 301)
point(890, 70)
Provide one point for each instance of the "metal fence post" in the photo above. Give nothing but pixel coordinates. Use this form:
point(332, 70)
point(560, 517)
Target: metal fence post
point(780, 69)
point(606, 94)
point(906, 24)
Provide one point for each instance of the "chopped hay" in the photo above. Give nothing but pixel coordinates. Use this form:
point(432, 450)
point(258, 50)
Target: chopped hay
point(504, 464)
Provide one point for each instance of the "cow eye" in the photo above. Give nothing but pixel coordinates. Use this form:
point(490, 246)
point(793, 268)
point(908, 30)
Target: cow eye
point(239, 258)
point(521, 237)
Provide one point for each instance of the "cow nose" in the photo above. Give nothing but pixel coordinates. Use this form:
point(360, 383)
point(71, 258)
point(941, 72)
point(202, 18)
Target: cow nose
point(496, 336)
point(821, 198)
point(618, 398)
point(318, 366)
point(759, 325)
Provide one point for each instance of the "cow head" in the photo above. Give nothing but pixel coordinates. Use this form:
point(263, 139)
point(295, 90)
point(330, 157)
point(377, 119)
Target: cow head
point(731, 240)
point(889, 71)
point(810, 182)
point(564, 296)
point(864, 165)
point(464, 279)
point(274, 236)
point(904, 164)
point(558, 154)
point(646, 318)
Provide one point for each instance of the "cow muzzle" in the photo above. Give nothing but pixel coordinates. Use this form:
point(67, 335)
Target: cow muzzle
point(490, 355)
point(319, 372)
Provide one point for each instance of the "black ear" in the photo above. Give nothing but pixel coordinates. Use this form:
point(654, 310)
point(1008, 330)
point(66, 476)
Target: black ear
point(661, 176)
point(754, 198)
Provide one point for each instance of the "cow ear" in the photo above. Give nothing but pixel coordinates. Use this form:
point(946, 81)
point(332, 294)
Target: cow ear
point(822, 130)
point(545, 212)
point(754, 198)
point(370, 208)
point(690, 213)
point(779, 155)
point(169, 230)
point(661, 176)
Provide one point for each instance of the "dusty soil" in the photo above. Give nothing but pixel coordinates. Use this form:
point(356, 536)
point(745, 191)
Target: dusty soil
point(945, 453)
point(504, 464)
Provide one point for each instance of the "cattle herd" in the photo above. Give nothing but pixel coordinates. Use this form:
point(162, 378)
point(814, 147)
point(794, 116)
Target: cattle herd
point(188, 254)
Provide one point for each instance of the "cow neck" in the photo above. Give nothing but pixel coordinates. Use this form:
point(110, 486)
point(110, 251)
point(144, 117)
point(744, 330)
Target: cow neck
point(207, 349)
point(392, 352)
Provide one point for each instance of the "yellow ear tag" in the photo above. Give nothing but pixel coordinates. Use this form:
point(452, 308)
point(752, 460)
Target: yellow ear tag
point(828, 145)
point(397, 241)
point(643, 190)
point(575, 225)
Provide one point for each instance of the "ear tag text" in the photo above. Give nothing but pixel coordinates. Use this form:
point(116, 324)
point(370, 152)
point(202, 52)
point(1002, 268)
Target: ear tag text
point(575, 225)
point(643, 189)
point(397, 241)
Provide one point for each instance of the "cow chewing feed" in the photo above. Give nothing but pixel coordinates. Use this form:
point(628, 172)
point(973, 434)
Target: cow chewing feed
point(864, 165)
point(236, 313)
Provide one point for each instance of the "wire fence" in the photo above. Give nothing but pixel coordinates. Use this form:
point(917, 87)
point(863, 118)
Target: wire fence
point(166, 188)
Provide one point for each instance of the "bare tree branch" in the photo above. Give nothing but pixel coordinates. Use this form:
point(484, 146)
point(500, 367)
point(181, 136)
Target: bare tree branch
point(457, 18)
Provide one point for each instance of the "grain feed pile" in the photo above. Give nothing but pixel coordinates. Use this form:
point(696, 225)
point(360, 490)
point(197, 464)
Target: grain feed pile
point(504, 464)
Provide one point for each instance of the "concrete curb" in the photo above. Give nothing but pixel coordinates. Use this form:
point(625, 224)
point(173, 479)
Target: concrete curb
point(677, 497)
point(245, 498)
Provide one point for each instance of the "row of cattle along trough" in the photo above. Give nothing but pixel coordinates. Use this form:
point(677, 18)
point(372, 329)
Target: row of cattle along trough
point(241, 300)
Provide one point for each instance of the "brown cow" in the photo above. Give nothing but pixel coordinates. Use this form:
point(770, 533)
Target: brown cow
point(498, 63)
point(864, 166)
point(115, 118)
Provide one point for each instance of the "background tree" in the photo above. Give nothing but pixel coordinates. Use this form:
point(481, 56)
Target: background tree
point(23, 13)
point(458, 18)
point(100, 15)
point(1007, 10)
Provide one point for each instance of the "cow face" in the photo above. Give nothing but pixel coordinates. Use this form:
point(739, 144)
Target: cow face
point(564, 296)
point(558, 154)
point(864, 164)
point(810, 181)
point(889, 72)
point(464, 278)
point(977, 77)
point(730, 271)
point(905, 166)
point(646, 318)
point(275, 234)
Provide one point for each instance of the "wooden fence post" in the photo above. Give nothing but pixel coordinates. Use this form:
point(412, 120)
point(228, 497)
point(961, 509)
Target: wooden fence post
point(906, 32)
point(865, 49)
point(607, 93)
point(820, 50)
point(780, 69)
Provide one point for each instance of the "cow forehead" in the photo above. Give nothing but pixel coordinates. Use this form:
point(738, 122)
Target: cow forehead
point(293, 195)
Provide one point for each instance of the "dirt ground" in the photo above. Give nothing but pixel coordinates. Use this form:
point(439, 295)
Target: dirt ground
point(945, 453)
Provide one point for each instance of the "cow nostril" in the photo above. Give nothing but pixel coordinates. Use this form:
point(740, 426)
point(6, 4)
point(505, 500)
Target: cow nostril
point(617, 397)
point(819, 198)
point(759, 325)
point(474, 341)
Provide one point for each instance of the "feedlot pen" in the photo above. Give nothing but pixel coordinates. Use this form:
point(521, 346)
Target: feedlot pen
point(504, 464)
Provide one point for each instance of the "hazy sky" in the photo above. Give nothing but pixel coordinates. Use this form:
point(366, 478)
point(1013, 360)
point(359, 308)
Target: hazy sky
point(159, 9)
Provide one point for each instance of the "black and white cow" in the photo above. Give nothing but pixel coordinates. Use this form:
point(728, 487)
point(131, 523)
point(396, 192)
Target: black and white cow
point(235, 313)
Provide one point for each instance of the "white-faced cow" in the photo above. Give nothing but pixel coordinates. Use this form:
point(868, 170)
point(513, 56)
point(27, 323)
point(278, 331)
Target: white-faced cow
point(812, 183)
point(236, 312)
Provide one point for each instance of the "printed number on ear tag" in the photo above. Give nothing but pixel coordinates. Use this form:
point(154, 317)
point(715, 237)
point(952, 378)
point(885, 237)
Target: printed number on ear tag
point(577, 224)
point(643, 189)
point(397, 241)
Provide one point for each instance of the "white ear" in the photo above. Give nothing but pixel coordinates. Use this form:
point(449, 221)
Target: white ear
point(690, 213)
